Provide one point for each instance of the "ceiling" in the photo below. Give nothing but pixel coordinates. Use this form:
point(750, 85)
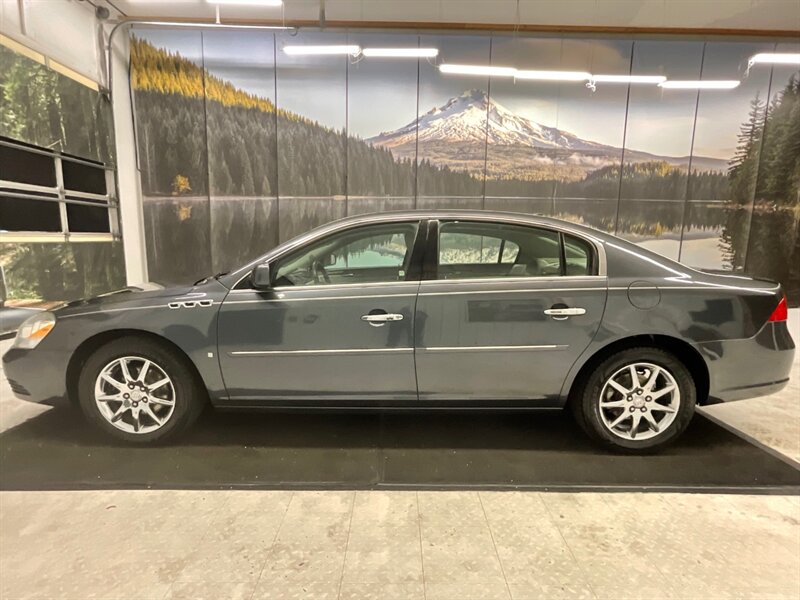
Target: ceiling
point(759, 15)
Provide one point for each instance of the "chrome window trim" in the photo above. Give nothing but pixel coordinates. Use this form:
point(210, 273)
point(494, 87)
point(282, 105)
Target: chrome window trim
point(257, 300)
point(337, 226)
point(513, 291)
point(334, 286)
point(523, 279)
point(317, 352)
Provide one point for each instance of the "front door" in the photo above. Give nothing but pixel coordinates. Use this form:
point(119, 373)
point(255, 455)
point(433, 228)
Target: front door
point(338, 324)
point(506, 311)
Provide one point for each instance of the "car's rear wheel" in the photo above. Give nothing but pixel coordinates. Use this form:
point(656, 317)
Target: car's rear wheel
point(139, 391)
point(637, 400)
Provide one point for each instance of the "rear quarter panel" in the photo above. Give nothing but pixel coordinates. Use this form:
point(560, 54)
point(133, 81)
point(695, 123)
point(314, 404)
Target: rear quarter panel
point(650, 295)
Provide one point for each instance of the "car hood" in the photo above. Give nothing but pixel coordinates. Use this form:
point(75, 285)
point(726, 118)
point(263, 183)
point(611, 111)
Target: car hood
point(130, 296)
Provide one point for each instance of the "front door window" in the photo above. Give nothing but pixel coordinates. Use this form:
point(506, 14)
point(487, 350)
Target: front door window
point(373, 254)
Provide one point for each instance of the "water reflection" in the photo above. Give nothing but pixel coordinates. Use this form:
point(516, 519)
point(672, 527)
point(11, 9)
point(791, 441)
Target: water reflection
point(707, 235)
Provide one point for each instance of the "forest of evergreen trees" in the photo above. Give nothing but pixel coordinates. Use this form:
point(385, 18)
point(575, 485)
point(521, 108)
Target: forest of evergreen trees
point(765, 172)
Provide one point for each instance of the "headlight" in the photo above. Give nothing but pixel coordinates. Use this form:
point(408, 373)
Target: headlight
point(34, 329)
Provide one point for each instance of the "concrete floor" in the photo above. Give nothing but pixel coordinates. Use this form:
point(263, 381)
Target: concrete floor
point(238, 544)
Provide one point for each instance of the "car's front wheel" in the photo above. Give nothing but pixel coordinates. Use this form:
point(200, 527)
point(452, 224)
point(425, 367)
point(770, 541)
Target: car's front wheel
point(637, 400)
point(139, 391)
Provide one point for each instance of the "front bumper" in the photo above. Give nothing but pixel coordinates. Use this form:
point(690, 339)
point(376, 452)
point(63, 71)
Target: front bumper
point(37, 375)
point(758, 366)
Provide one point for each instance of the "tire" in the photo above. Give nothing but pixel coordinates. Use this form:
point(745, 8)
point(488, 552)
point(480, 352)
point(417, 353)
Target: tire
point(115, 416)
point(608, 415)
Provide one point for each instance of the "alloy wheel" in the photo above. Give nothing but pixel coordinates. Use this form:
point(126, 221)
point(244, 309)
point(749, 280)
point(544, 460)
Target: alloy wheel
point(135, 394)
point(639, 401)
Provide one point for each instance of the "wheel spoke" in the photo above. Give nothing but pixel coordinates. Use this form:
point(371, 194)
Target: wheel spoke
point(651, 382)
point(110, 397)
point(619, 419)
point(161, 401)
point(662, 408)
point(152, 414)
point(158, 384)
point(123, 364)
point(634, 377)
point(143, 371)
point(637, 417)
point(614, 404)
point(137, 421)
point(652, 422)
point(662, 392)
point(119, 385)
point(622, 390)
point(120, 412)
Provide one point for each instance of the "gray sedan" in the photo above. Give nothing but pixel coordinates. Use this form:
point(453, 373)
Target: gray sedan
point(414, 310)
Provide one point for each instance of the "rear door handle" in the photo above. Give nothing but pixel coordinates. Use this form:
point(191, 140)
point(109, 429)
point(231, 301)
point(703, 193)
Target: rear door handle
point(563, 313)
point(381, 319)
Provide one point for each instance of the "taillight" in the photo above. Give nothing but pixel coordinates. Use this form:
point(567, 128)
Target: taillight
point(781, 312)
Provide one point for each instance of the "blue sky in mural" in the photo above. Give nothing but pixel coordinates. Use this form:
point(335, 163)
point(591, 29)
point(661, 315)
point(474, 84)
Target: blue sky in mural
point(383, 93)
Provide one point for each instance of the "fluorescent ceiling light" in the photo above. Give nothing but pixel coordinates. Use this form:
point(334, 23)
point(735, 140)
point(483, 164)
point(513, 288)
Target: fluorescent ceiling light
point(554, 75)
point(400, 52)
point(708, 84)
point(478, 70)
point(628, 78)
point(304, 50)
point(248, 2)
point(775, 59)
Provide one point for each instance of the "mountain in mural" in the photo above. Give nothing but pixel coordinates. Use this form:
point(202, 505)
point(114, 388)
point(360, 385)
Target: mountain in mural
point(454, 134)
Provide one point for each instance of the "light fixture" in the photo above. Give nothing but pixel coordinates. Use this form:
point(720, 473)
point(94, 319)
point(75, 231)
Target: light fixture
point(553, 75)
point(248, 2)
point(478, 70)
point(771, 58)
point(628, 78)
point(707, 84)
point(400, 52)
point(310, 50)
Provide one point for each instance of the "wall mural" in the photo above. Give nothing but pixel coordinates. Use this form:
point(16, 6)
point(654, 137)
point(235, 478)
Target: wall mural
point(243, 145)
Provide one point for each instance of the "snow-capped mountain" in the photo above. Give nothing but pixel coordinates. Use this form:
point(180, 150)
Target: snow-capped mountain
point(463, 119)
point(455, 133)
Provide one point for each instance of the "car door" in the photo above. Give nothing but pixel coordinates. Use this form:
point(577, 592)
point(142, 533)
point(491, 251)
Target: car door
point(504, 310)
point(337, 324)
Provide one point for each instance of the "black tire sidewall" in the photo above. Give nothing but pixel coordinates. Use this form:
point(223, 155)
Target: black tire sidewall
point(590, 400)
point(183, 381)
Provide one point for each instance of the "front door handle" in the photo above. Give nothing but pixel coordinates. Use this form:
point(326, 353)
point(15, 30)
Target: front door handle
point(381, 319)
point(560, 314)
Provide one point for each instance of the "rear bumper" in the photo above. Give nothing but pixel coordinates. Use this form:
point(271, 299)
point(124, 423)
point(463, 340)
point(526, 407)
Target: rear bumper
point(741, 369)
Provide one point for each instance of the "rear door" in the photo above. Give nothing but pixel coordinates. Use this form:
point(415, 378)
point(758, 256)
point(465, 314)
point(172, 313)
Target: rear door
point(504, 311)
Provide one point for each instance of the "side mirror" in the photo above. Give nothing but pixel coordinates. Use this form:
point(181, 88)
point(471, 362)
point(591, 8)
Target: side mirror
point(261, 277)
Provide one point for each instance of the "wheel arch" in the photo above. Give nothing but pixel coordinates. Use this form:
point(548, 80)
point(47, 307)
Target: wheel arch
point(89, 345)
point(681, 349)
